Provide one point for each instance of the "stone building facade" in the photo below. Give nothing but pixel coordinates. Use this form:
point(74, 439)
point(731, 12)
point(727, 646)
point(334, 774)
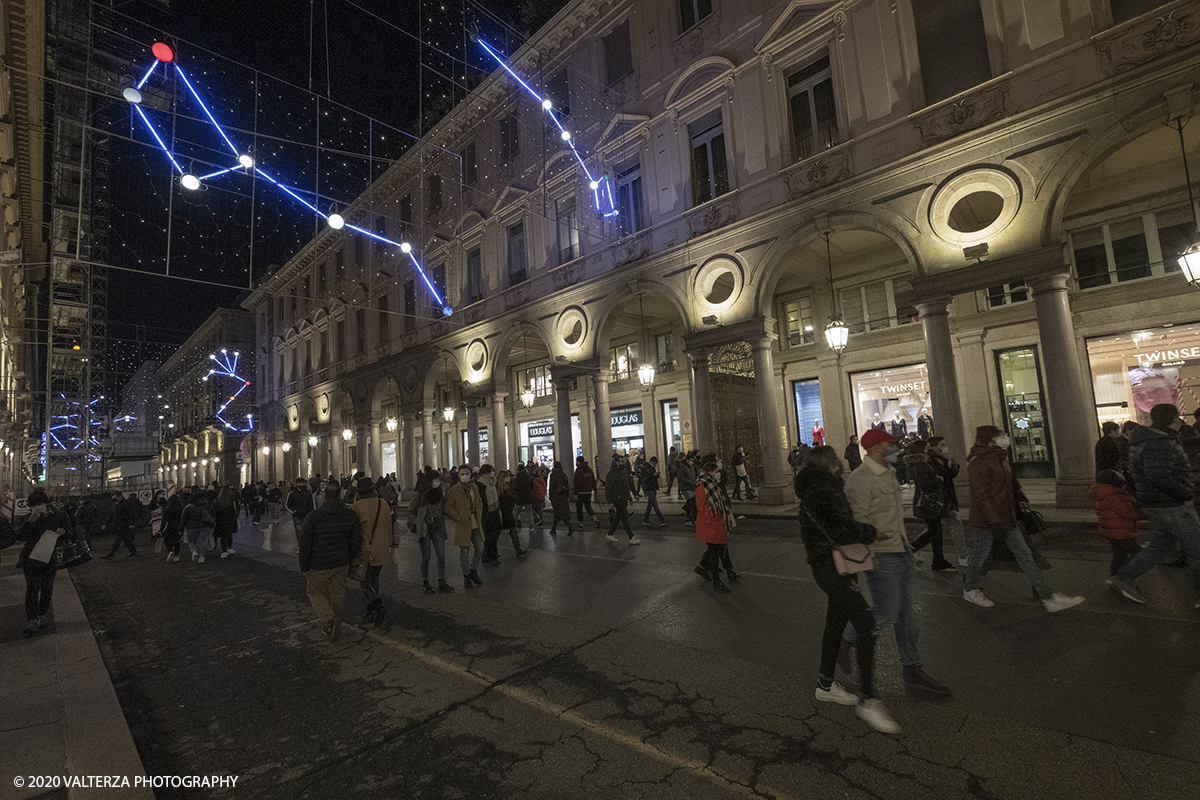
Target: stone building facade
point(990, 193)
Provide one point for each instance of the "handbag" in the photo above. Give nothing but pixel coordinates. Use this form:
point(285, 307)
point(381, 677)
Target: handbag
point(358, 567)
point(848, 559)
point(72, 550)
point(1032, 521)
point(929, 505)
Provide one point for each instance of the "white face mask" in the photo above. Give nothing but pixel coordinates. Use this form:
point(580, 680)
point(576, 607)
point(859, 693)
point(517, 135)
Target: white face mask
point(437, 484)
point(1002, 441)
point(716, 476)
point(39, 509)
point(464, 476)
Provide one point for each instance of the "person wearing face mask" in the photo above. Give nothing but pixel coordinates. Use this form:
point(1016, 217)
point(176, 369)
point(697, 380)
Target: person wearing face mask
point(874, 496)
point(947, 468)
point(39, 575)
point(1163, 484)
point(686, 471)
point(464, 525)
point(616, 487)
point(431, 534)
point(995, 501)
point(929, 501)
point(714, 521)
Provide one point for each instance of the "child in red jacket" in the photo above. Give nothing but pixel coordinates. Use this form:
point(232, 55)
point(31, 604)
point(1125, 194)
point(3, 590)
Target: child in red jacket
point(1118, 514)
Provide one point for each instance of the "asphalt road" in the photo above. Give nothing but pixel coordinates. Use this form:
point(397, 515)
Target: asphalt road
point(593, 670)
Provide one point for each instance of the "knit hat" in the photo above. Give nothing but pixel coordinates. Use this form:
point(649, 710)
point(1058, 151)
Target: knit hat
point(984, 434)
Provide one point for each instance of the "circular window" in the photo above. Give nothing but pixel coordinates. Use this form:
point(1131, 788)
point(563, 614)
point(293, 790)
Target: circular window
point(572, 328)
point(718, 283)
point(975, 206)
point(476, 356)
point(976, 211)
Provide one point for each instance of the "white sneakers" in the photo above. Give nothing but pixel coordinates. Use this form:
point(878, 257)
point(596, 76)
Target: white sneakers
point(610, 538)
point(225, 554)
point(635, 540)
point(1060, 602)
point(200, 560)
point(231, 552)
point(872, 712)
point(978, 598)
point(836, 693)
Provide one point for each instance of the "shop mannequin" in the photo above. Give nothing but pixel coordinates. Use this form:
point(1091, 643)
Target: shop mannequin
point(924, 426)
point(878, 422)
point(818, 433)
point(899, 426)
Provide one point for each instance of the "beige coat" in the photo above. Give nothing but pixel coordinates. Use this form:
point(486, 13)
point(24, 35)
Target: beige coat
point(874, 496)
point(377, 540)
point(463, 510)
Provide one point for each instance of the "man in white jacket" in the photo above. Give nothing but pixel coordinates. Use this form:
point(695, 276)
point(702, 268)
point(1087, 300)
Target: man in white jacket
point(874, 495)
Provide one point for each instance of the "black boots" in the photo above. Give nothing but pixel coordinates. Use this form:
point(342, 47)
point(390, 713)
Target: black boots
point(473, 575)
point(428, 589)
point(444, 587)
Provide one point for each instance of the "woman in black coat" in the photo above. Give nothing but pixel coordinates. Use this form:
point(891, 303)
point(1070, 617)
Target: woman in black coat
point(946, 469)
point(852, 455)
point(825, 521)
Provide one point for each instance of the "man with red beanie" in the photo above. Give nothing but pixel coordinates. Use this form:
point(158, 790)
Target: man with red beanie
point(995, 499)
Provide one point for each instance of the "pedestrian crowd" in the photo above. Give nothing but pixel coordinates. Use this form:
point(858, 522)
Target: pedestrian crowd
point(852, 523)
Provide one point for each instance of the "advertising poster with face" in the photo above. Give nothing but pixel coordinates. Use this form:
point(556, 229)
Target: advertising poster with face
point(1166, 382)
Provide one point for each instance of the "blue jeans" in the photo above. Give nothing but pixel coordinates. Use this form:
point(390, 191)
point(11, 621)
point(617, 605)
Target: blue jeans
point(896, 601)
point(473, 559)
point(1179, 526)
point(981, 547)
point(652, 504)
point(433, 543)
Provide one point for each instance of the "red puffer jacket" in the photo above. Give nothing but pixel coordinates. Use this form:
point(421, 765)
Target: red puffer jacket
point(1116, 511)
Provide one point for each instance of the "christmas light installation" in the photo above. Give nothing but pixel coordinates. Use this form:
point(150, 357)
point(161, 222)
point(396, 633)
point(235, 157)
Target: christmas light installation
point(225, 368)
point(602, 193)
point(246, 164)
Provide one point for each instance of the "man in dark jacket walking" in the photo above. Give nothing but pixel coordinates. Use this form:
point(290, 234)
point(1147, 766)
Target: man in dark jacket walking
point(1108, 454)
point(329, 539)
point(522, 489)
point(616, 487)
point(1162, 479)
point(300, 503)
point(126, 514)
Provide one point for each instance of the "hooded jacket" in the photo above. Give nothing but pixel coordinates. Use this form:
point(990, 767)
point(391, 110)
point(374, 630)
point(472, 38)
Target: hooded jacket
point(616, 485)
point(993, 489)
point(825, 514)
point(1116, 511)
point(1162, 476)
point(585, 478)
point(330, 537)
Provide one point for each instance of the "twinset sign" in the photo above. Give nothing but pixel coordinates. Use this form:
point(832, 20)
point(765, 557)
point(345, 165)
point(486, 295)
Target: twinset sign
point(896, 388)
point(1178, 356)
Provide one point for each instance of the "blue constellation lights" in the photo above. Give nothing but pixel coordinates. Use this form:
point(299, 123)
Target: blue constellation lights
point(228, 369)
point(245, 163)
point(604, 210)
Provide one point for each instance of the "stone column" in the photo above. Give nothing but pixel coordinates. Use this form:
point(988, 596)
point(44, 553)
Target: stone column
point(772, 433)
point(564, 438)
point(304, 471)
point(703, 422)
point(1068, 402)
point(375, 452)
point(362, 440)
point(603, 415)
point(337, 451)
point(408, 468)
point(497, 441)
point(428, 444)
point(943, 375)
point(651, 430)
point(473, 433)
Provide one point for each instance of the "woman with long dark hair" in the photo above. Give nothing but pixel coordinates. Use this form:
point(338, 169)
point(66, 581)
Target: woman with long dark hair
point(826, 521)
point(225, 509)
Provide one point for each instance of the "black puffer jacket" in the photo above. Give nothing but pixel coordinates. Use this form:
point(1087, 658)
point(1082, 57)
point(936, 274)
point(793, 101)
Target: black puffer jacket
point(522, 488)
point(823, 503)
point(947, 472)
point(330, 537)
point(1161, 473)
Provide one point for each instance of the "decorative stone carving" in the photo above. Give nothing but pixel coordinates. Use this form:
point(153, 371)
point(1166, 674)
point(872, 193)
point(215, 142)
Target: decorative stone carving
point(517, 296)
point(1135, 45)
point(973, 111)
point(408, 340)
point(711, 216)
point(632, 248)
point(567, 276)
point(818, 172)
point(408, 379)
point(473, 313)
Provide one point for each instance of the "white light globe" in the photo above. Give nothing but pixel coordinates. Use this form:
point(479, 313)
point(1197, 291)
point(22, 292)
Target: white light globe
point(566, 136)
point(132, 95)
point(546, 104)
point(335, 221)
point(189, 182)
point(594, 185)
point(405, 247)
point(246, 160)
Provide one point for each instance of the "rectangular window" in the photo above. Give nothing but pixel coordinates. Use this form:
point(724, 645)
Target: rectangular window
point(1124, 10)
point(384, 319)
point(437, 276)
point(568, 230)
point(1142, 247)
point(434, 188)
point(876, 306)
point(321, 279)
point(279, 313)
point(558, 93)
point(951, 47)
point(360, 319)
point(339, 264)
point(470, 165)
point(380, 230)
point(295, 299)
point(306, 289)
point(1176, 232)
point(623, 361)
point(406, 215)
point(516, 254)
point(510, 137)
point(799, 316)
point(693, 11)
point(710, 174)
point(618, 54)
point(1024, 412)
point(536, 377)
point(323, 352)
point(664, 352)
point(341, 339)
point(631, 214)
point(410, 306)
point(308, 359)
point(360, 251)
point(814, 115)
point(474, 276)
point(1008, 294)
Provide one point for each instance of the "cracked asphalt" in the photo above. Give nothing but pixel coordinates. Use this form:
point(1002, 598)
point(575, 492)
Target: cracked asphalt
point(593, 670)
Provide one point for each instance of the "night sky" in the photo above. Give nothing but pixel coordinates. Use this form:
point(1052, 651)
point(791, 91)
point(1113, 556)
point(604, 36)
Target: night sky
point(254, 72)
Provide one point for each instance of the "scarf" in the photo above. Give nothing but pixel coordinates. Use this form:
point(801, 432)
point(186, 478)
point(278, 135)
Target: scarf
point(714, 496)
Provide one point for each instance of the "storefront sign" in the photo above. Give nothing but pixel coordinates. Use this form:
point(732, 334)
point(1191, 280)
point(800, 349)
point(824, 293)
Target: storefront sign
point(1169, 355)
point(897, 388)
point(541, 430)
point(626, 416)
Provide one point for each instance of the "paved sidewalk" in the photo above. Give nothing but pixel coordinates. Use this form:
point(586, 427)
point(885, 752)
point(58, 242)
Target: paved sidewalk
point(59, 715)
